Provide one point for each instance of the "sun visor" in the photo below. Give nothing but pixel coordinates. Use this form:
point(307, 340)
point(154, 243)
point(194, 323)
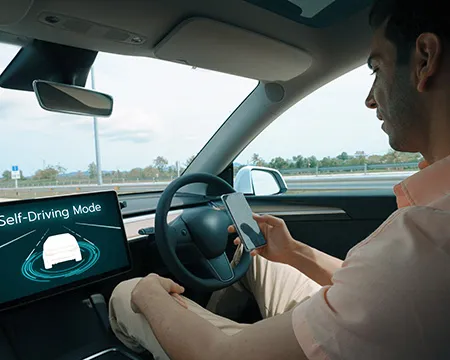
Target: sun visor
point(218, 46)
point(13, 11)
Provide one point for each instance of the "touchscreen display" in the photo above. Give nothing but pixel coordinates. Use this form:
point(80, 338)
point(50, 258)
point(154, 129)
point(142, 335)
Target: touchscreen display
point(52, 244)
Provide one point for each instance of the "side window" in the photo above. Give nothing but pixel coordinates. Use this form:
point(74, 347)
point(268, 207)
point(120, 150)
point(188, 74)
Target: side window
point(331, 141)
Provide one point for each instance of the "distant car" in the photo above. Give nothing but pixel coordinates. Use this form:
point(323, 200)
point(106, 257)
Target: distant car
point(60, 248)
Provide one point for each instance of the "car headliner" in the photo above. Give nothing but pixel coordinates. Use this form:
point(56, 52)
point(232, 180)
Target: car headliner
point(334, 50)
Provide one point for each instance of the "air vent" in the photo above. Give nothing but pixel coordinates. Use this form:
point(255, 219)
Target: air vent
point(90, 29)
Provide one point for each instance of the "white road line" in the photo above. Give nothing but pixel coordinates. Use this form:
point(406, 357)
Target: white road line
point(102, 226)
point(73, 232)
point(88, 241)
point(43, 236)
point(32, 251)
point(20, 237)
point(80, 236)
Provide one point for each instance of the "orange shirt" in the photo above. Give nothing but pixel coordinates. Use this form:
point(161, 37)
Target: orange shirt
point(391, 298)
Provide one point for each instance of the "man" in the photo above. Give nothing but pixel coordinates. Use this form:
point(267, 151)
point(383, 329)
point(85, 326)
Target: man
point(390, 298)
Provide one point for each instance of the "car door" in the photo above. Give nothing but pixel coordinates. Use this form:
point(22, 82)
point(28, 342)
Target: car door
point(336, 162)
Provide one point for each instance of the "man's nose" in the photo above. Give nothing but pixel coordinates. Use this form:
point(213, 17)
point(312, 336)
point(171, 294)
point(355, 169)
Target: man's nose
point(370, 101)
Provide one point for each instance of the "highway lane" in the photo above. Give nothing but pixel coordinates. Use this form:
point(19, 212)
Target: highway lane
point(370, 181)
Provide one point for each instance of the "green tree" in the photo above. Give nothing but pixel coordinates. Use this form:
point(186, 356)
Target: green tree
point(160, 163)
point(92, 170)
point(257, 160)
point(299, 162)
point(136, 173)
point(6, 175)
point(278, 163)
point(150, 172)
point(49, 173)
point(312, 162)
point(343, 156)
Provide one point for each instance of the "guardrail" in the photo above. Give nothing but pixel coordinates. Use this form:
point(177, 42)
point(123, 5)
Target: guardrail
point(351, 168)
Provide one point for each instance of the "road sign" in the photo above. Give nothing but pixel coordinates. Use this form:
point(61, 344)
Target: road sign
point(15, 173)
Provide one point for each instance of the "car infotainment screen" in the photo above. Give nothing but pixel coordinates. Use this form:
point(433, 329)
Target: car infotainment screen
point(54, 244)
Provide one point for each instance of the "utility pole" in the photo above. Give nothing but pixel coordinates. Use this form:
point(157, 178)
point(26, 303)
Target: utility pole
point(97, 145)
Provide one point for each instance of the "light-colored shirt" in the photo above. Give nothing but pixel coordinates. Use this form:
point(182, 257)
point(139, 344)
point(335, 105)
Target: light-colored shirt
point(391, 298)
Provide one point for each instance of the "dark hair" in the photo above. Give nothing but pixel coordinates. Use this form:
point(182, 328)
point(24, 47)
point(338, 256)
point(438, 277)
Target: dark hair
point(406, 20)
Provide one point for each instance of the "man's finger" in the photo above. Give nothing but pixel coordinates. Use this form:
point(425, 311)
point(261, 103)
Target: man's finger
point(237, 241)
point(268, 219)
point(179, 300)
point(171, 286)
point(231, 229)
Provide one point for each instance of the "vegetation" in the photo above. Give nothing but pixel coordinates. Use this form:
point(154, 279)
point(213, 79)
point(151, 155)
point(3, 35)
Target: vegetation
point(343, 159)
point(160, 170)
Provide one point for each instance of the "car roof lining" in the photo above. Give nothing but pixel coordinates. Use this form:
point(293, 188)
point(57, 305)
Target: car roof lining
point(97, 27)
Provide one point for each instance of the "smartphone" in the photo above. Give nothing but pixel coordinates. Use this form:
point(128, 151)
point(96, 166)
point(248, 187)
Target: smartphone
point(242, 216)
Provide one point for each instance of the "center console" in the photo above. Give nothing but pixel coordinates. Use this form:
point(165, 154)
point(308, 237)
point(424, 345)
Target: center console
point(51, 252)
point(61, 328)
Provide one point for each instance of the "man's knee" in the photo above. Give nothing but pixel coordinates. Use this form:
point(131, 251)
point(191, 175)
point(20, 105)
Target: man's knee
point(121, 316)
point(131, 328)
point(125, 288)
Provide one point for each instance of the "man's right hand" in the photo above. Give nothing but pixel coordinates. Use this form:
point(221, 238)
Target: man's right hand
point(280, 243)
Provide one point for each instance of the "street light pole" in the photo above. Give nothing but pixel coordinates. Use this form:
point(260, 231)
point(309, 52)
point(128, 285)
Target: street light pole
point(97, 145)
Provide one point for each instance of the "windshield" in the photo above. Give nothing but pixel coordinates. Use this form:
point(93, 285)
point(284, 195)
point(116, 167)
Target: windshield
point(163, 115)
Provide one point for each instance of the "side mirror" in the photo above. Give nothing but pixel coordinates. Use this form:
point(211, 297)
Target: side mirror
point(71, 99)
point(257, 180)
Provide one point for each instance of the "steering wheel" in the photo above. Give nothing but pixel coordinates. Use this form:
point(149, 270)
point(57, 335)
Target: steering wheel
point(206, 229)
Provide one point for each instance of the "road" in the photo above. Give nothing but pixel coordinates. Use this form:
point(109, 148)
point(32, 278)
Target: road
point(344, 182)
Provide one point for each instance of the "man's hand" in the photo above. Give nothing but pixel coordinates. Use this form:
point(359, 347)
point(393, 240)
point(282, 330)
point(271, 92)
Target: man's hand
point(280, 243)
point(154, 283)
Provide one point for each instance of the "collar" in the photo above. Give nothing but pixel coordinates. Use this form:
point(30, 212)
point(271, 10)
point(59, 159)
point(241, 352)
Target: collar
point(429, 184)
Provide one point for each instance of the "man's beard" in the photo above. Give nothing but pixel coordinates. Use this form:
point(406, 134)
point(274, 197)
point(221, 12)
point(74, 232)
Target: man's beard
point(403, 112)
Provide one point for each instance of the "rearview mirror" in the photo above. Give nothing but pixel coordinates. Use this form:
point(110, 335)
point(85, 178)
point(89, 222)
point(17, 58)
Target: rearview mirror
point(71, 99)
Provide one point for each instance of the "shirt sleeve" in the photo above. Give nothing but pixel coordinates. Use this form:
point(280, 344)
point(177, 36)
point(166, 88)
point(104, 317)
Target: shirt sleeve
point(390, 299)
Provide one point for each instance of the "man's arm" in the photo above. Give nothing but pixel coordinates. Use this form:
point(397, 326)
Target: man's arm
point(184, 335)
point(282, 247)
point(314, 263)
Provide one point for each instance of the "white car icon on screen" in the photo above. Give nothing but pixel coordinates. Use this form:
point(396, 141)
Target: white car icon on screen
point(60, 248)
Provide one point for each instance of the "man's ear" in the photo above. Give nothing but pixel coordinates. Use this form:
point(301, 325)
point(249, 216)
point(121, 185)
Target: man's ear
point(427, 59)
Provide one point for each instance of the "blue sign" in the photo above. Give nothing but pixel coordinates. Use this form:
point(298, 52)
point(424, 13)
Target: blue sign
point(15, 168)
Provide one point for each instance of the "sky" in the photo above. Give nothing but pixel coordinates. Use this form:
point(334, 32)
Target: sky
point(171, 110)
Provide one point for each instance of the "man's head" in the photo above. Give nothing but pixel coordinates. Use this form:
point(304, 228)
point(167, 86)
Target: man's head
point(410, 60)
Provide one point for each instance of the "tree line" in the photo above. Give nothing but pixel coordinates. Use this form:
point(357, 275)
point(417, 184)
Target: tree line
point(160, 169)
point(343, 159)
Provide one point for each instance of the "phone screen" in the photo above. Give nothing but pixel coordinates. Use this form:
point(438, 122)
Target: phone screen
point(242, 216)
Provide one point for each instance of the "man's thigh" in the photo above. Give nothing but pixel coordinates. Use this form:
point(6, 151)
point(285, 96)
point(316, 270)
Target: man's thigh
point(276, 287)
point(135, 332)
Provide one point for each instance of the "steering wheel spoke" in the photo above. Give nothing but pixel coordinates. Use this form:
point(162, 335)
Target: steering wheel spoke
point(178, 233)
point(220, 268)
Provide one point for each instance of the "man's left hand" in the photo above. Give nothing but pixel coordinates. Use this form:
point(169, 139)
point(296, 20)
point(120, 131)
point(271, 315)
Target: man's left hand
point(149, 285)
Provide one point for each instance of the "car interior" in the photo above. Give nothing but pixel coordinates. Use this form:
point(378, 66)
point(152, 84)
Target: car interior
point(292, 47)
